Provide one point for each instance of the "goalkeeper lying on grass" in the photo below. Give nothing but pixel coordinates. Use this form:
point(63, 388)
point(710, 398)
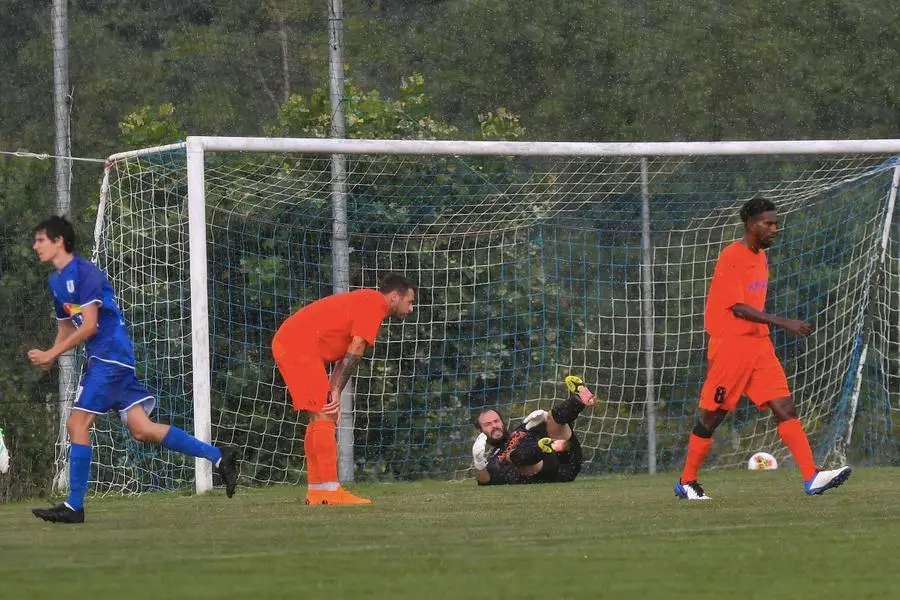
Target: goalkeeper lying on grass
point(543, 449)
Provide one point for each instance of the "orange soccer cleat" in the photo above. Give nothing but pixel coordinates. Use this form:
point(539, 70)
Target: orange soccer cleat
point(338, 496)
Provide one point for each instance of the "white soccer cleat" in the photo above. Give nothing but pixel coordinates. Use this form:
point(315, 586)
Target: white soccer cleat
point(692, 490)
point(825, 480)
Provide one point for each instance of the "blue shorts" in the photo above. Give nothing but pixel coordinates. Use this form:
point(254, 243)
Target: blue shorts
point(110, 386)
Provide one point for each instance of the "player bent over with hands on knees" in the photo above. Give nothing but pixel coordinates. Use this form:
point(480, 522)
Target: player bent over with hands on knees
point(741, 358)
point(543, 449)
point(336, 329)
point(87, 313)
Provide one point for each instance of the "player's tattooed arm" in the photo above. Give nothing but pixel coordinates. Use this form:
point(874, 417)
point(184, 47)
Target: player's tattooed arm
point(344, 371)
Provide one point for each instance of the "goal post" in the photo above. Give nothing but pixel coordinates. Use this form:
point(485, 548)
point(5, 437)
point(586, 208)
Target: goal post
point(199, 307)
point(535, 259)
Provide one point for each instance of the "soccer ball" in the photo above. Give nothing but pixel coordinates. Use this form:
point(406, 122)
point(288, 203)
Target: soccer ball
point(762, 461)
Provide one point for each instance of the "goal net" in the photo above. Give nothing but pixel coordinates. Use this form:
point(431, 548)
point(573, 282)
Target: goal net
point(534, 261)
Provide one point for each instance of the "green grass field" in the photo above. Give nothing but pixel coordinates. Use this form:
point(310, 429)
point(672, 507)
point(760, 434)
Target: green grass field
point(606, 537)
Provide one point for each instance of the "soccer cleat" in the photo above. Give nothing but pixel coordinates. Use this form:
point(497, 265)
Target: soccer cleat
point(692, 490)
point(227, 470)
point(549, 445)
point(575, 385)
point(825, 480)
point(574, 382)
point(61, 513)
point(338, 496)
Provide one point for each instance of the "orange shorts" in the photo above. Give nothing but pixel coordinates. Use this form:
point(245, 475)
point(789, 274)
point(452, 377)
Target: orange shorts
point(742, 365)
point(305, 376)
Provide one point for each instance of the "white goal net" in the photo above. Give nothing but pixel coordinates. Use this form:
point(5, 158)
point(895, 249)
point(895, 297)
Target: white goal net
point(531, 266)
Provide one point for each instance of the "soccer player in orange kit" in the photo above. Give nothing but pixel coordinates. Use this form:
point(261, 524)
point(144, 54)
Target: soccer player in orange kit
point(741, 357)
point(337, 329)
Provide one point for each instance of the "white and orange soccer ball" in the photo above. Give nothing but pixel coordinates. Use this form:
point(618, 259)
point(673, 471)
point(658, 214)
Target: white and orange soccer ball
point(762, 461)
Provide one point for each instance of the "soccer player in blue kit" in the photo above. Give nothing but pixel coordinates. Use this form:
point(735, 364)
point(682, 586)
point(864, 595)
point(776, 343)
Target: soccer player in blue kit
point(86, 312)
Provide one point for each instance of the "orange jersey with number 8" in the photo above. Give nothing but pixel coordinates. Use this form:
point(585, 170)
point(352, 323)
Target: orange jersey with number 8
point(741, 358)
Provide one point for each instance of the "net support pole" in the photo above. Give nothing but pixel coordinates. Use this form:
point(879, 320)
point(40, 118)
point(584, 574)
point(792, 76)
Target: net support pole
point(63, 176)
point(885, 235)
point(199, 308)
point(340, 242)
point(62, 162)
point(647, 314)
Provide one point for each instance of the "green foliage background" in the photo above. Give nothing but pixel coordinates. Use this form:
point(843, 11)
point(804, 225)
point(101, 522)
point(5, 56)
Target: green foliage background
point(151, 72)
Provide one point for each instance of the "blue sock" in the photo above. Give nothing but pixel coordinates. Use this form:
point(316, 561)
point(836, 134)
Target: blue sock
point(79, 472)
point(179, 441)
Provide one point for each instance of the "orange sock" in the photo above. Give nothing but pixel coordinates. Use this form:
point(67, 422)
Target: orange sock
point(321, 451)
point(697, 450)
point(793, 436)
point(309, 448)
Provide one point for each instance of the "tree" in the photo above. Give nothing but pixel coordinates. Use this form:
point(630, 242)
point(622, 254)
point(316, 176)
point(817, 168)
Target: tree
point(28, 397)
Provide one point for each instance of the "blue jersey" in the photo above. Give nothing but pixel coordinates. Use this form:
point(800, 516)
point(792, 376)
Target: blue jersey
point(81, 283)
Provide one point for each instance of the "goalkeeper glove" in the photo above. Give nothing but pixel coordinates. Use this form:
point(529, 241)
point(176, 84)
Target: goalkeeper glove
point(4, 455)
point(535, 418)
point(479, 460)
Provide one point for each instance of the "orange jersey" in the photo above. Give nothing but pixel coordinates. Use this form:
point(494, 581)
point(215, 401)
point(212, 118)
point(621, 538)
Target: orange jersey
point(327, 326)
point(741, 277)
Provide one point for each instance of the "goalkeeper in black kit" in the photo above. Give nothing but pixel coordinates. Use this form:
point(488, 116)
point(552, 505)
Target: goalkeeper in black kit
point(543, 449)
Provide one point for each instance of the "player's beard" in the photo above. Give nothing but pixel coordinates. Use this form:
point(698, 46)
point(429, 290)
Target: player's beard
point(497, 442)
